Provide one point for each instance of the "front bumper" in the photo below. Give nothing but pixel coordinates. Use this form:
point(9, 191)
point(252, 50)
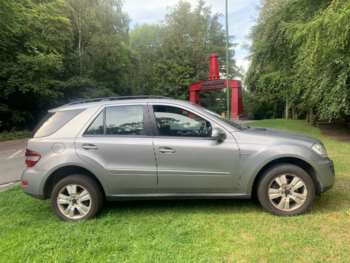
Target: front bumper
point(325, 174)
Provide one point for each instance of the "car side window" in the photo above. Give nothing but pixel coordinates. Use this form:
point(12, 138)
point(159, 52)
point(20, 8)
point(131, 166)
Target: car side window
point(97, 126)
point(54, 121)
point(125, 120)
point(174, 121)
point(118, 120)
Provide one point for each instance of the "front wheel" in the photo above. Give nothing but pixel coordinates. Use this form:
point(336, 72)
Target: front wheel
point(76, 197)
point(286, 190)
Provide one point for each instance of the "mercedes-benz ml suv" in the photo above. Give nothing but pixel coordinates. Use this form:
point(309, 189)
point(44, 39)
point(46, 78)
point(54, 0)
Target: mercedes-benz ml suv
point(90, 151)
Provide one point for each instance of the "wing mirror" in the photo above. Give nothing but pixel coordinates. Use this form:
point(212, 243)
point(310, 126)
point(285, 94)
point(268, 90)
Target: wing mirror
point(218, 135)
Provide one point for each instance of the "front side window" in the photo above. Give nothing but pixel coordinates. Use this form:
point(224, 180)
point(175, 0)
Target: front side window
point(173, 121)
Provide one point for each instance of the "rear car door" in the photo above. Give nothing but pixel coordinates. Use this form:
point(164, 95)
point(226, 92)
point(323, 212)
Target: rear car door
point(188, 159)
point(118, 140)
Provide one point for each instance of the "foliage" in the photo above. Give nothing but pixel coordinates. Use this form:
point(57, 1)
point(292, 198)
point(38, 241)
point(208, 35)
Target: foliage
point(176, 53)
point(256, 109)
point(300, 54)
point(54, 51)
point(32, 40)
point(185, 230)
point(14, 135)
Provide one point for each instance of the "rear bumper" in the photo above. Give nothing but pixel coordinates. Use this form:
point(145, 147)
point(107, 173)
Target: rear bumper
point(325, 174)
point(33, 179)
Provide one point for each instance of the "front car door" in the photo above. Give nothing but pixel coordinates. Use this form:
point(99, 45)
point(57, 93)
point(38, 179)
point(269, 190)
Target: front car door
point(118, 140)
point(188, 159)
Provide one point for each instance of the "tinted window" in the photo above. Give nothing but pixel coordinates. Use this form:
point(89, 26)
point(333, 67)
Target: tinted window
point(124, 120)
point(54, 121)
point(173, 121)
point(97, 126)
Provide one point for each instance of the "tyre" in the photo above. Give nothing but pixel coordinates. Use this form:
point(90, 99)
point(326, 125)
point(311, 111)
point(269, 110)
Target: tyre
point(76, 197)
point(286, 190)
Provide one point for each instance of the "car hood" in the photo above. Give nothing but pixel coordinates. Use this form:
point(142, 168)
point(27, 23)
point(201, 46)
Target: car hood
point(267, 135)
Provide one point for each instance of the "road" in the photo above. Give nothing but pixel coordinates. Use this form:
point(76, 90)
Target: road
point(11, 160)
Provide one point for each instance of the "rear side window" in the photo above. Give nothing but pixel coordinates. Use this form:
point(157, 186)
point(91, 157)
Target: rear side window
point(119, 120)
point(124, 120)
point(54, 121)
point(97, 126)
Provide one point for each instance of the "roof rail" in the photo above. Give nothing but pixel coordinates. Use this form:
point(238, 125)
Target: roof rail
point(115, 98)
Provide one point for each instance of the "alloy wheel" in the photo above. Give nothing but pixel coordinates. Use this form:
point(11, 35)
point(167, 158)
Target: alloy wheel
point(287, 192)
point(74, 201)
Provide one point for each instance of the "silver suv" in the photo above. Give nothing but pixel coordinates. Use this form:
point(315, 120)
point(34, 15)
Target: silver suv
point(153, 147)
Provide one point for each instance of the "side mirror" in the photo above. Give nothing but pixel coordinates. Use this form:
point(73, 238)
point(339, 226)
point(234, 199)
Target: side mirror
point(218, 135)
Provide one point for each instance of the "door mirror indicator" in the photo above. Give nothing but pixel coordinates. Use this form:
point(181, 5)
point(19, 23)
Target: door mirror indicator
point(218, 135)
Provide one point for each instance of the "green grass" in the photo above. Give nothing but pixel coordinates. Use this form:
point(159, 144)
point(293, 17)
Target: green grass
point(14, 135)
point(185, 231)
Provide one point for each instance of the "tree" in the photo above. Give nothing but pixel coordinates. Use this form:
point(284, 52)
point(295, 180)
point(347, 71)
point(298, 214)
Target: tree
point(99, 52)
point(55, 51)
point(146, 43)
point(32, 42)
point(174, 54)
point(300, 58)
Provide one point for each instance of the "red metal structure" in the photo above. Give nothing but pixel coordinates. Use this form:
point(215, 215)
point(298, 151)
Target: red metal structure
point(214, 83)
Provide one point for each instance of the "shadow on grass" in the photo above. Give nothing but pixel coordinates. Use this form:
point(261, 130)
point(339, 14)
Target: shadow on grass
point(335, 200)
point(182, 206)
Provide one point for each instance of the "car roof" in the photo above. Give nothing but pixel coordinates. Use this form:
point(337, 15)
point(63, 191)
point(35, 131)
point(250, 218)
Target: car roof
point(89, 103)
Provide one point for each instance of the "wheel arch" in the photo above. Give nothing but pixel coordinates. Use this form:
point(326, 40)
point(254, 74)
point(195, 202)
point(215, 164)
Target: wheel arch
point(65, 171)
point(307, 167)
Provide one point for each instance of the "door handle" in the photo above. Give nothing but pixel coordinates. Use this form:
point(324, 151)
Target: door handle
point(167, 150)
point(89, 146)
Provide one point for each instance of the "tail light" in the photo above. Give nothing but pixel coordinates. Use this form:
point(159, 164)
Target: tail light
point(24, 183)
point(32, 158)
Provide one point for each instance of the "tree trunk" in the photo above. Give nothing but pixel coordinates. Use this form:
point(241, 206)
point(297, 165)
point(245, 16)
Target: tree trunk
point(311, 117)
point(286, 111)
point(294, 113)
point(80, 53)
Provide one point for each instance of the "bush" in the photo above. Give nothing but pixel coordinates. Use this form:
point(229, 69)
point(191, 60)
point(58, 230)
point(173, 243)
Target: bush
point(13, 135)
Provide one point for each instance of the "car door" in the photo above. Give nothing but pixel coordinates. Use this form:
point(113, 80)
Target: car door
point(188, 159)
point(118, 140)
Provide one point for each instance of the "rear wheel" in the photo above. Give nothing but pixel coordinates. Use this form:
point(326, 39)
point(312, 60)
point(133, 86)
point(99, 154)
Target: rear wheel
point(76, 197)
point(286, 190)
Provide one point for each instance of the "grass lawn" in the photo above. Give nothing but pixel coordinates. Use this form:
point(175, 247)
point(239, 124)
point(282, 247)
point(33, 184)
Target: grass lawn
point(185, 231)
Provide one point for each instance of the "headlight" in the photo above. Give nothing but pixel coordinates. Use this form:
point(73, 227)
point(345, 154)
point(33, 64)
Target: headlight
point(320, 149)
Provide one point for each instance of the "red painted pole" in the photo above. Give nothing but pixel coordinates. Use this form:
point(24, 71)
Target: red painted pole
point(214, 67)
point(194, 92)
point(236, 99)
point(193, 97)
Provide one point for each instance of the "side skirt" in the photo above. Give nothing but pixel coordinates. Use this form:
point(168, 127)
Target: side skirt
point(172, 196)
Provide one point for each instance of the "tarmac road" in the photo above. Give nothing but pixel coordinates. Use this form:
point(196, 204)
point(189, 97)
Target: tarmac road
point(11, 161)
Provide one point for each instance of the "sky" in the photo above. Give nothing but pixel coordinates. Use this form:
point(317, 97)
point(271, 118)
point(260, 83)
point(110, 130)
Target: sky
point(242, 16)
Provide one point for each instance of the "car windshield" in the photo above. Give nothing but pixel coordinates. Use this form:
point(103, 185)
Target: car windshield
point(218, 116)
